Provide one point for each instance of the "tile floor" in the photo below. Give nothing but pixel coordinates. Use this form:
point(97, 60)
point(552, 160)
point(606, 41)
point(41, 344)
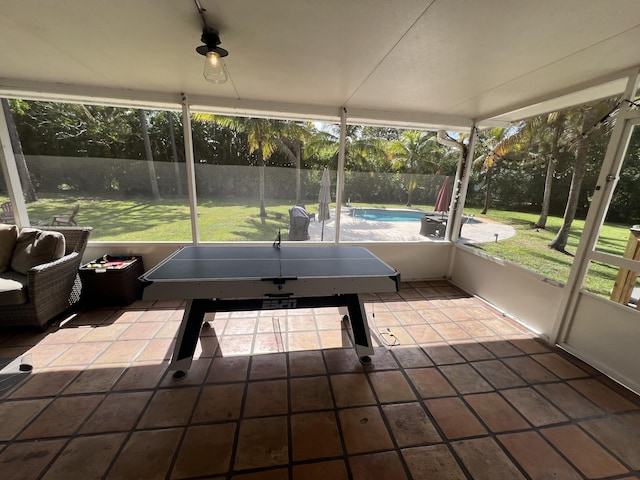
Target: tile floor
point(456, 390)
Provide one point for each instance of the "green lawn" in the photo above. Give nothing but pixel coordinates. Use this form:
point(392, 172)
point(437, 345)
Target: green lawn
point(529, 247)
point(238, 220)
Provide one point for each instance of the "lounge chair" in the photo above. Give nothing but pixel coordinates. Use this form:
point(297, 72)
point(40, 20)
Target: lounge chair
point(7, 213)
point(66, 219)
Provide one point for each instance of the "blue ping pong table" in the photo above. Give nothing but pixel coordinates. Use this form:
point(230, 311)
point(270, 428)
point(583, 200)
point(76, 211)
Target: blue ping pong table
point(246, 278)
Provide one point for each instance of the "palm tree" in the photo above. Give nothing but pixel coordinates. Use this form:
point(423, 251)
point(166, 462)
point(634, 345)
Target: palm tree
point(584, 118)
point(153, 178)
point(411, 153)
point(264, 137)
point(556, 122)
point(174, 154)
point(362, 152)
point(292, 145)
point(500, 142)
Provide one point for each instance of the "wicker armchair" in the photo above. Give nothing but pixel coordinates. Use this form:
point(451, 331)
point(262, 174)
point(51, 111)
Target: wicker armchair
point(52, 287)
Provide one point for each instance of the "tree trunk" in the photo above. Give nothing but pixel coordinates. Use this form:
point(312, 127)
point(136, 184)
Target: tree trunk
point(559, 243)
point(551, 166)
point(174, 154)
point(153, 179)
point(487, 193)
point(263, 211)
point(298, 173)
point(28, 189)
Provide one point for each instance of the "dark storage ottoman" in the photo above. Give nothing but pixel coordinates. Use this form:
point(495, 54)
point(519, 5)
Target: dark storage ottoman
point(112, 280)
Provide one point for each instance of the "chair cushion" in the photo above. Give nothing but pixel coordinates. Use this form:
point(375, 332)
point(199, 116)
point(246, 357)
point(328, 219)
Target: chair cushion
point(13, 289)
point(35, 247)
point(8, 236)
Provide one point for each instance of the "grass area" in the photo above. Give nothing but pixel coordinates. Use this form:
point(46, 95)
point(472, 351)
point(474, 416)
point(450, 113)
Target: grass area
point(529, 247)
point(238, 220)
point(142, 219)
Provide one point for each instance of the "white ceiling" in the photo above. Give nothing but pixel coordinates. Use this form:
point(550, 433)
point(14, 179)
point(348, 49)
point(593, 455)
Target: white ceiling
point(429, 61)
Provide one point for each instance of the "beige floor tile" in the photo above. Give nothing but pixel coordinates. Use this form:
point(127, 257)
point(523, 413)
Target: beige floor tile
point(228, 369)
point(534, 407)
point(465, 379)
point(314, 436)
point(86, 457)
point(589, 457)
point(306, 363)
point(205, 450)
point(156, 447)
point(26, 460)
point(312, 393)
point(262, 442)
point(332, 469)
point(485, 460)
point(118, 412)
point(16, 414)
point(602, 396)
point(537, 457)
point(433, 462)
point(266, 398)
point(410, 424)
point(377, 466)
point(391, 386)
point(454, 418)
point(618, 435)
point(352, 390)
point(364, 430)
point(169, 408)
point(430, 383)
point(219, 403)
point(62, 417)
point(496, 413)
point(268, 366)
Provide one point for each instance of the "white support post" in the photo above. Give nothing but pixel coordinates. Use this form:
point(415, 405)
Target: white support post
point(340, 172)
point(10, 172)
point(460, 186)
point(602, 195)
point(191, 177)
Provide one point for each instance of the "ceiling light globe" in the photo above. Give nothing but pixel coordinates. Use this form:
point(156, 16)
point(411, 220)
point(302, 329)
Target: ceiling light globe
point(214, 69)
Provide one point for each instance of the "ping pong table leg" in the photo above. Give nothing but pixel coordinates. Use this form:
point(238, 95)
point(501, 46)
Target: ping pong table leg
point(360, 327)
point(187, 339)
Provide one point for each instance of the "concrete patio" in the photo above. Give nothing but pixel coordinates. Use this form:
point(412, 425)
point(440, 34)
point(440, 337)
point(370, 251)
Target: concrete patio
point(357, 229)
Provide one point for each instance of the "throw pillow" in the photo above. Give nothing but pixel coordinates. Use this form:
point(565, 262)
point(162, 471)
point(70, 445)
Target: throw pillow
point(35, 247)
point(8, 236)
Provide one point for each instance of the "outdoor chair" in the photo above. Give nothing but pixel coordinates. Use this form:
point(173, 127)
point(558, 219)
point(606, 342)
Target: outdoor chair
point(33, 294)
point(7, 213)
point(66, 219)
point(298, 223)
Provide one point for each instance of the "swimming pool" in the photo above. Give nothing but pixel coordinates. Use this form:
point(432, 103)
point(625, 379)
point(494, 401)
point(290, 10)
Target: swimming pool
point(399, 215)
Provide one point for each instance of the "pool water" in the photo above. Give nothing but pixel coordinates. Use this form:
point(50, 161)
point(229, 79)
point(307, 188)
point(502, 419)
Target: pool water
point(398, 215)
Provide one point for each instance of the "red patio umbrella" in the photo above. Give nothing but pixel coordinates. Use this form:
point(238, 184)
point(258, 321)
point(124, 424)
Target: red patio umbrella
point(443, 200)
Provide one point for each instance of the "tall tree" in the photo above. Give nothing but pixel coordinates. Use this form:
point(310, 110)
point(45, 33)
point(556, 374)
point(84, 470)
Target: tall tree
point(291, 143)
point(587, 149)
point(413, 152)
point(153, 178)
point(586, 118)
point(556, 122)
point(262, 135)
point(174, 154)
point(363, 152)
point(28, 190)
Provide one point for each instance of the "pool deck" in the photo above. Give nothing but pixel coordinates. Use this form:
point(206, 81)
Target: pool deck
point(353, 229)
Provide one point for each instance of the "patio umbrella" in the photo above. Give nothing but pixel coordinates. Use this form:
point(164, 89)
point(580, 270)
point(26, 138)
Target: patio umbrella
point(443, 200)
point(324, 198)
